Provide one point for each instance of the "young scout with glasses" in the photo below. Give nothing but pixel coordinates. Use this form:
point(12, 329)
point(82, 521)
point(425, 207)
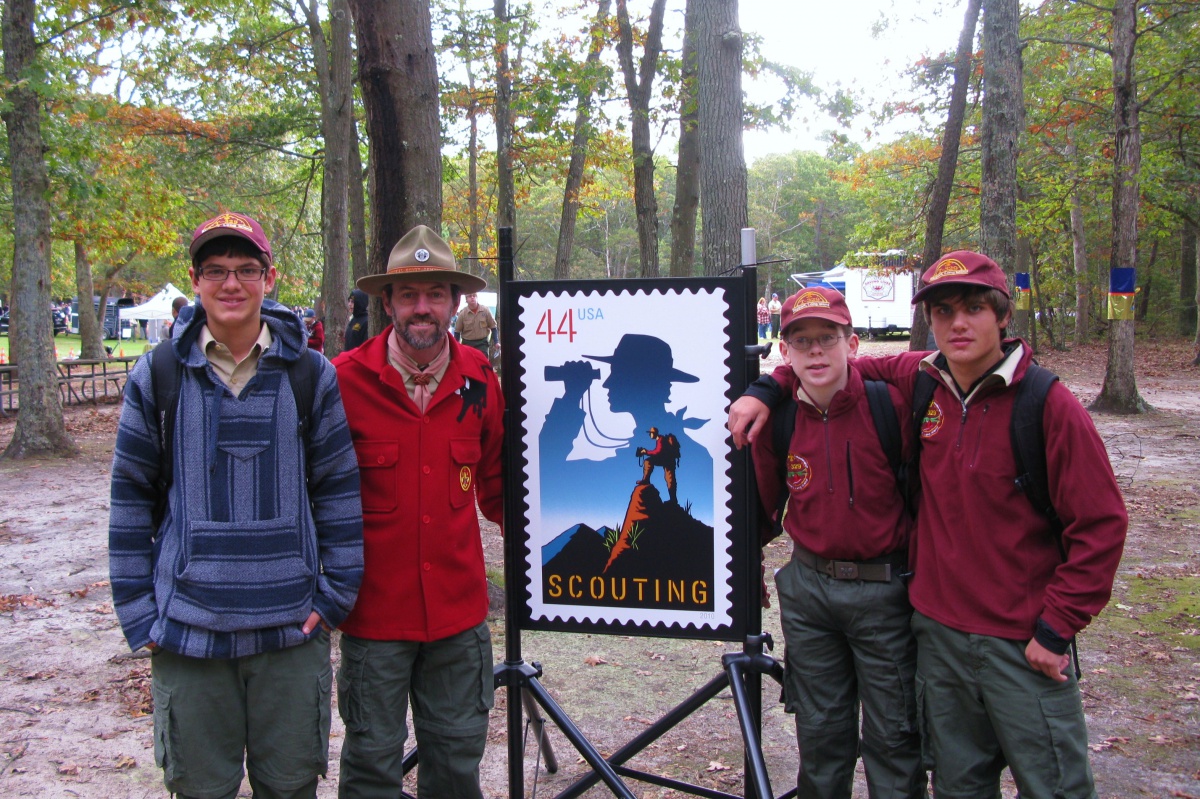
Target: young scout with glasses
point(234, 581)
point(999, 588)
point(843, 602)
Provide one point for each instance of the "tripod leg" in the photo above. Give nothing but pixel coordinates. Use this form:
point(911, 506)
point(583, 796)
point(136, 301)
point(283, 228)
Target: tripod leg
point(539, 729)
point(757, 778)
point(581, 744)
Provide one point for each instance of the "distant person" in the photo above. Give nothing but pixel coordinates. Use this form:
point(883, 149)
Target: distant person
point(234, 573)
point(764, 318)
point(177, 304)
point(774, 307)
point(476, 327)
point(316, 330)
point(356, 328)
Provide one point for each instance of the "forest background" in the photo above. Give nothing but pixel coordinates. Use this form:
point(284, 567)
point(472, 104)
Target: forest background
point(576, 123)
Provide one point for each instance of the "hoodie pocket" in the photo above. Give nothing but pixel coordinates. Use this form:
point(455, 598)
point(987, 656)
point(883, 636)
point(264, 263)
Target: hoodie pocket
point(242, 576)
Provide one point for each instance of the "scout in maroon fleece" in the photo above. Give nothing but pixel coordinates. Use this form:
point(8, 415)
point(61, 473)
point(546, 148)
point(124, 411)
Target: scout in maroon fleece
point(997, 602)
point(843, 603)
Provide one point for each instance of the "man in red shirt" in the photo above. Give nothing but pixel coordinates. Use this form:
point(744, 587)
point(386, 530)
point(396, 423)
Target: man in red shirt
point(425, 415)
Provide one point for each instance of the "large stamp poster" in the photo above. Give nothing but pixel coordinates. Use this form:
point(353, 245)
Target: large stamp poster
point(624, 453)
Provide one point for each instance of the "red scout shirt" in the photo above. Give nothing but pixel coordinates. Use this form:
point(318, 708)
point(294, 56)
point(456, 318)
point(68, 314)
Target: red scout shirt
point(985, 561)
point(843, 501)
point(421, 474)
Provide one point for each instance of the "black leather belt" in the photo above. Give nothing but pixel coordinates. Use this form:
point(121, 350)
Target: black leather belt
point(875, 570)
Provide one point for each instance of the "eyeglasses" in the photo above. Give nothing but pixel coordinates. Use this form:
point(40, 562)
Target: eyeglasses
point(245, 274)
point(825, 341)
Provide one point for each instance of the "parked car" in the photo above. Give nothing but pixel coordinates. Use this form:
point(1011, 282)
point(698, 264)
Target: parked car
point(58, 321)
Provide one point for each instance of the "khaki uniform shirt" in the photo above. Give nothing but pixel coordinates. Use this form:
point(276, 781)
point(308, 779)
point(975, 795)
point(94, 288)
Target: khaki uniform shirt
point(474, 325)
point(234, 374)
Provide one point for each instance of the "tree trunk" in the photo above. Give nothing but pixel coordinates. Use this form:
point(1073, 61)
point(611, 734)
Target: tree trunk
point(1003, 120)
point(1187, 278)
point(943, 184)
point(1143, 294)
point(334, 70)
point(39, 429)
point(1119, 393)
point(356, 196)
point(506, 197)
point(579, 148)
point(397, 71)
point(687, 171)
point(722, 159)
point(90, 332)
point(639, 83)
point(1083, 288)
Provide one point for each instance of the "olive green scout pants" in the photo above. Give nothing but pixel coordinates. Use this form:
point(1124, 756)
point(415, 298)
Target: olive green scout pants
point(984, 708)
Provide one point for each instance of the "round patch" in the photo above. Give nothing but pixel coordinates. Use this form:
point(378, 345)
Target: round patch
point(799, 475)
point(932, 423)
point(422, 254)
point(464, 477)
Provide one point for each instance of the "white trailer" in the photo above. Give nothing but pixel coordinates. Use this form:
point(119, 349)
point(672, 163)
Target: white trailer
point(880, 299)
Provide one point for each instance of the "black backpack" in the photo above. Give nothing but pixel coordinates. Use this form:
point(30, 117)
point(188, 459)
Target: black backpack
point(166, 373)
point(887, 427)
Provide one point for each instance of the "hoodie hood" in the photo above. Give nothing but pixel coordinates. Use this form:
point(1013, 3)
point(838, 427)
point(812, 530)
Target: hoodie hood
point(289, 334)
point(360, 299)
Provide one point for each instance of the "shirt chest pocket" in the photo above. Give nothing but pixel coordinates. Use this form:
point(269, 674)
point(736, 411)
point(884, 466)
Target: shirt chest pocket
point(464, 458)
point(378, 470)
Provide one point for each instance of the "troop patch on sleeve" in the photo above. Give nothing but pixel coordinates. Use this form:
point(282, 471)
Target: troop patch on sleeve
point(799, 474)
point(931, 423)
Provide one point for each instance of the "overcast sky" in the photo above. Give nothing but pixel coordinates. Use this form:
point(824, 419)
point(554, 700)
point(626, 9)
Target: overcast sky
point(859, 44)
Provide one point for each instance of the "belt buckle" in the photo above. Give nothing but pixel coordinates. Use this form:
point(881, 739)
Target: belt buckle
point(844, 570)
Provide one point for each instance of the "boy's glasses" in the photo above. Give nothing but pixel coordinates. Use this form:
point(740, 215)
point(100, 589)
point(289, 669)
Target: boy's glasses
point(245, 274)
point(824, 341)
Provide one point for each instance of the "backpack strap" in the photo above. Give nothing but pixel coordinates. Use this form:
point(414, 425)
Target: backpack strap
point(303, 375)
point(1029, 444)
point(887, 426)
point(783, 425)
point(923, 390)
point(165, 371)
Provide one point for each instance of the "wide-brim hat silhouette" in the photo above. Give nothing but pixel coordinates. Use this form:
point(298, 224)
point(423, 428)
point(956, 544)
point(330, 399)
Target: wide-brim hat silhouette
point(646, 355)
point(421, 255)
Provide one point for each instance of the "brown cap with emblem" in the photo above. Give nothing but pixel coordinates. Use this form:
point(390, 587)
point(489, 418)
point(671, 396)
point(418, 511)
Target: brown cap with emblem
point(965, 268)
point(815, 302)
point(421, 255)
point(231, 224)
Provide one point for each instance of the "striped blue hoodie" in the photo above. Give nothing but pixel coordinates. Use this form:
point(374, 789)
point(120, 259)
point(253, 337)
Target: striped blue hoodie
point(261, 526)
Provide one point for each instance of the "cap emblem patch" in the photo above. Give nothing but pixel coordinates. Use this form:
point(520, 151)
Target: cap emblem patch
point(950, 267)
point(422, 255)
point(809, 299)
point(230, 221)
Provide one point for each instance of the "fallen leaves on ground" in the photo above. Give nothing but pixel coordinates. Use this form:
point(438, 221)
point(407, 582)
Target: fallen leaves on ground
point(10, 602)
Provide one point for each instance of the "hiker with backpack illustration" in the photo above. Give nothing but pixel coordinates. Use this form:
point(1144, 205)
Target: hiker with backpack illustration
point(1009, 561)
point(665, 455)
point(825, 477)
point(235, 529)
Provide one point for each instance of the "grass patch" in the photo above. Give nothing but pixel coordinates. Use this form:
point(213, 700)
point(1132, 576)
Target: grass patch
point(1165, 610)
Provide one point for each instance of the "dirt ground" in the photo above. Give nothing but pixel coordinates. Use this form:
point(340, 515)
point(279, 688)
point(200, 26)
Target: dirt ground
point(74, 702)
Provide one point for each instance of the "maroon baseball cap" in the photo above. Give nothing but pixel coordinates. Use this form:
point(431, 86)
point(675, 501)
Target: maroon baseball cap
point(963, 267)
point(231, 224)
point(815, 302)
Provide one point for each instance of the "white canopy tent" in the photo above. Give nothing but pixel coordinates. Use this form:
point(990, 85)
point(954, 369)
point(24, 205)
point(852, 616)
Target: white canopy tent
point(156, 310)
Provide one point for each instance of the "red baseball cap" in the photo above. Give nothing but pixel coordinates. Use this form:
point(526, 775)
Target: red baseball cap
point(965, 268)
point(815, 302)
point(231, 224)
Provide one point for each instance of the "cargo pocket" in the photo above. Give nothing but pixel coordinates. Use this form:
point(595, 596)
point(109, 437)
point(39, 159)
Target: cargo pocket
point(166, 737)
point(349, 686)
point(242, 576)
point(377, 470)
point(487, 682)
point(923, 724)
point(464, 456)
point(320, 756)
point(1068, 740)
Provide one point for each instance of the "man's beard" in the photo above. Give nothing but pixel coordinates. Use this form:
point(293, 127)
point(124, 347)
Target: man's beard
point(422, 342)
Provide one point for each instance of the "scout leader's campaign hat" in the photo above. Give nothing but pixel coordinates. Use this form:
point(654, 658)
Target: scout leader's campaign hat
point(815, 302)
point(231, 224)
point(966, 268)
point(421, 255)
point(645, 355)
